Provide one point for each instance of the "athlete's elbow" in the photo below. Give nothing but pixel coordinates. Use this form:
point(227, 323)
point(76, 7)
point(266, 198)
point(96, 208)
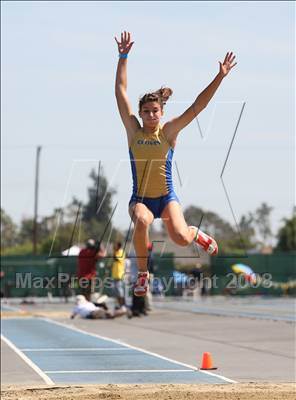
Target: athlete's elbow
point(202, 105)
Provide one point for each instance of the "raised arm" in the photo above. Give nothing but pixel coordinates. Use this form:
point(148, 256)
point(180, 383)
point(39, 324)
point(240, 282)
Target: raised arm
point(173, 127)
point(129, 120)
point(100, 250)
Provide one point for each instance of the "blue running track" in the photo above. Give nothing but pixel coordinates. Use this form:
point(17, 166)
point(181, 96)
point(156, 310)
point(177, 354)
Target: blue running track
point(67, 355)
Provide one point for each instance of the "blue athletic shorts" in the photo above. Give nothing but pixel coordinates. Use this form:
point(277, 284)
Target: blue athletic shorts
point(155, 205)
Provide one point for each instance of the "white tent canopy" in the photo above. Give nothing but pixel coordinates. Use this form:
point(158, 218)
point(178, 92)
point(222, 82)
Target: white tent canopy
point(72, 251)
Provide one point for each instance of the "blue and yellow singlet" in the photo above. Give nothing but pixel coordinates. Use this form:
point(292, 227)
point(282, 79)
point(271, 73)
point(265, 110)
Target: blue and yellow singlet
point(151, 162)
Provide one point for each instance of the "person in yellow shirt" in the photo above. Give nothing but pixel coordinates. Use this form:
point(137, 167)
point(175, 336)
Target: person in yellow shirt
point(117, 272)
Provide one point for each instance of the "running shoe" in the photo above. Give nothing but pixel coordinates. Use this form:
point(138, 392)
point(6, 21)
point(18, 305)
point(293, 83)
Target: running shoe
point(206, 242)
point(142, 285)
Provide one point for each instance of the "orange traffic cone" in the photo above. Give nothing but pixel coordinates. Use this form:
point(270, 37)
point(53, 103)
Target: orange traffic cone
point(207, 361)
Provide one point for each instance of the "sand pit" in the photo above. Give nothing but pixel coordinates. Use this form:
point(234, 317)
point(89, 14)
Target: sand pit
point(245, 391)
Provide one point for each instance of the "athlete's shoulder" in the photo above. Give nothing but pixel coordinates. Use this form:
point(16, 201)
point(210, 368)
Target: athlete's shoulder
point(164, 135)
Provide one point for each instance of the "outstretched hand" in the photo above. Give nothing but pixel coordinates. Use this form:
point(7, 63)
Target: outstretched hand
point(125, 44)
point(227, 64)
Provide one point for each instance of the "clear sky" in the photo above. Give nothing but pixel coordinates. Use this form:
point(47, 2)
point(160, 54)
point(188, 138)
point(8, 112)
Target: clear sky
point(57, 91)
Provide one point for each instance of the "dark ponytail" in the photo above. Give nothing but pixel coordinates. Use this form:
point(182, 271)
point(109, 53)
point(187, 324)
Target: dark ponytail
point(161, 96)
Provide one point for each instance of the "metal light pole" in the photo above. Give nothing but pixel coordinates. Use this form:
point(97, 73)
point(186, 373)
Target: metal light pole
point(36, 200)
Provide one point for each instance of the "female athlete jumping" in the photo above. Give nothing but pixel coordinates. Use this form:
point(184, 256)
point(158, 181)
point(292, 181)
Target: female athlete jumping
point(151, 149)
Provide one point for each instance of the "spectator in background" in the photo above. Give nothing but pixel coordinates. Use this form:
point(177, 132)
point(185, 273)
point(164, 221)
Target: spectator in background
point(201, 275)
point(136, 304)
point(87, 260)
point(127, 281)
point(117, 273)
point(86, 309)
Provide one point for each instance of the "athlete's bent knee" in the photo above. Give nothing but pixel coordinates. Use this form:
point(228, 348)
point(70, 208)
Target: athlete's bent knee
point(141, 221)
point(181, 238)
point(141, 217)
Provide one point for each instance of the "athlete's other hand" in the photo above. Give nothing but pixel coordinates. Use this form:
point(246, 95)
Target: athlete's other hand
point(125, 44)
point(227, 64)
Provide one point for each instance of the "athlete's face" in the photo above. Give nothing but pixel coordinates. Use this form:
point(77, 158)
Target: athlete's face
point(151, 114)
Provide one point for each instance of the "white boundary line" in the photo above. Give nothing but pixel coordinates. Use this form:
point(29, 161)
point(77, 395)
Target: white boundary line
point(27, 361)
point(138, 348)
point(79, 349)
point(102, 371)
point(9, 308)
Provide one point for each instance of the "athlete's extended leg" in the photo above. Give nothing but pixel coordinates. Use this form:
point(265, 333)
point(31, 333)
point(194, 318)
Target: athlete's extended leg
point(175, 223)
point(183, 234)
point(142, 218)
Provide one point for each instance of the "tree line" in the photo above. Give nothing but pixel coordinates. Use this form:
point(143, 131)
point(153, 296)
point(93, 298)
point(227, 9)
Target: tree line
point(79, 221)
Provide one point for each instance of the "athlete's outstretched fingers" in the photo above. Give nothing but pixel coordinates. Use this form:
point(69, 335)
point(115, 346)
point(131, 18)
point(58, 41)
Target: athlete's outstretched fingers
point(232, 59)
point(125, 44)
point(225, 59)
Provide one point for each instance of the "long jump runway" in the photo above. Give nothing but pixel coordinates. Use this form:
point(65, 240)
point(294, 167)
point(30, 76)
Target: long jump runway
point(64, 355)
